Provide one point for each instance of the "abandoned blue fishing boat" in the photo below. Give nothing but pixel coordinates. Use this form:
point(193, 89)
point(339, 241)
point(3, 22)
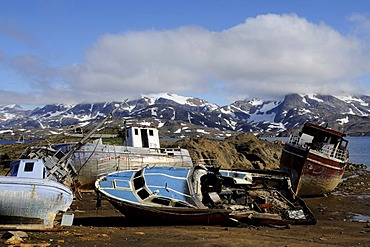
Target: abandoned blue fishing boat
point(204, 195)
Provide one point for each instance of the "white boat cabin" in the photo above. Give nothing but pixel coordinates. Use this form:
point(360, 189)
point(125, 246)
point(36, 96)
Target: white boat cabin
point(28, 168)
point(143, 137)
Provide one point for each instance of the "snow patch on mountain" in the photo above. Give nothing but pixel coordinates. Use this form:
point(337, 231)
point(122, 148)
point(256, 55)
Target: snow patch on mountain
point(145, 123)
point(12, 106)
point(7, 116)
point(66, 106)
point(303, 111)
point(351, 99)
point(228, 111)
point(261, 114)
point(154, 111)
point(350, 112)
point(83, 117)
point(273, 126)
point(6, 131)
point(343, 120)
point(310, 96)
point(232, 124)
point(202, 131)
point(182, 100)
point(161, 123)
point(256, 102)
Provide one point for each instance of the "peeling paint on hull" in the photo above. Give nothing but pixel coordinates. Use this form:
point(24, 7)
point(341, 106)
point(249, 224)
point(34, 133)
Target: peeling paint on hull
point(32, 201)
point(93, 161)
point(311, 174)
point(319, 175)
point(313, 185)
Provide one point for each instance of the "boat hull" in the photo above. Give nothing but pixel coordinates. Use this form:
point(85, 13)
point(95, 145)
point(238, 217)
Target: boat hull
point(32, 201)
point(163, 195)
point(95, 160)
point(312, 174)
point(168, 216)
point(161, 215)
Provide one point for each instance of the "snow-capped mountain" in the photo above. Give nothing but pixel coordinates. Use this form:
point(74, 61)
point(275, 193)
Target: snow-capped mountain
point(185, 116)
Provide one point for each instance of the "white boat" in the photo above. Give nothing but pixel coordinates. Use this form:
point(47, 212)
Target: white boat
point(36, 191)
point(29, 198)
point(140, 148)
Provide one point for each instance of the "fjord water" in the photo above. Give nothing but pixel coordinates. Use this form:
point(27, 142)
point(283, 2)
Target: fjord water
point(359, 150)
point(358, 147)
point(13, 141)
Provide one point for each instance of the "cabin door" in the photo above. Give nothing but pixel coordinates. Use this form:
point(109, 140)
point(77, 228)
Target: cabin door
point(144, 138)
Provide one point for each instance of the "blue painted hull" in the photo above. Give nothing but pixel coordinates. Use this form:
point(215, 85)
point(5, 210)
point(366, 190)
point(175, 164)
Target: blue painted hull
point(163, 195)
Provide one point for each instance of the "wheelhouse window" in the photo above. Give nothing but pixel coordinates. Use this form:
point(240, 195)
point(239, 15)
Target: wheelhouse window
point(59, 154)
point(14, 166)
point(181, 205)
point(139, 183)
point(151, 133)
point(138, 173)
point(28, 167)
point(161, 201)
point(143, 193)
point(136, 132)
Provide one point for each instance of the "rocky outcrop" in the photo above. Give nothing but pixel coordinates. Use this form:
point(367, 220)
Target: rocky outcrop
point(242, 151)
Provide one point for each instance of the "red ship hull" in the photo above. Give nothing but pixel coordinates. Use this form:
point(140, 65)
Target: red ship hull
point(311, 173)
point(315, 160)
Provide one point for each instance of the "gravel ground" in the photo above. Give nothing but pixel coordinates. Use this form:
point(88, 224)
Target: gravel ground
point(343, 220)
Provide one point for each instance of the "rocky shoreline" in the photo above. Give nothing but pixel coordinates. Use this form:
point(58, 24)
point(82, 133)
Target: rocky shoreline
point(338, 214)
point(343, 215)
point(343, 220)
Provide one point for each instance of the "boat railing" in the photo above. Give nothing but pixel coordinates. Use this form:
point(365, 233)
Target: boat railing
point(293, 139)
point(332, 152)
point(166, 150)
point(328, 150)
point(127, 161)
point(104, 169)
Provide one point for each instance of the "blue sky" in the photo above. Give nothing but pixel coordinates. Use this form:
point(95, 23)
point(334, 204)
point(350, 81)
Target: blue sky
point(63, 51)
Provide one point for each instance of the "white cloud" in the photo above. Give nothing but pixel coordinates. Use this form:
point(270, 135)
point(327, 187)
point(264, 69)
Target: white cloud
point(361, 25)
point(266, 56)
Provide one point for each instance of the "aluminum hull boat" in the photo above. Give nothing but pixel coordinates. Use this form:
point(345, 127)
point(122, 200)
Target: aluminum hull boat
point(29, 200)
point(140, 148)
point(93, 160)
point(32, 201)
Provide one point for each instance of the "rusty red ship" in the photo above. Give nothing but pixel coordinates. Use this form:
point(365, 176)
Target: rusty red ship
point(315, 159)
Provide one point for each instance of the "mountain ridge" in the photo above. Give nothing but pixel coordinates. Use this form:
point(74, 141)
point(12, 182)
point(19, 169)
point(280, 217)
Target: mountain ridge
point(179, 116)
